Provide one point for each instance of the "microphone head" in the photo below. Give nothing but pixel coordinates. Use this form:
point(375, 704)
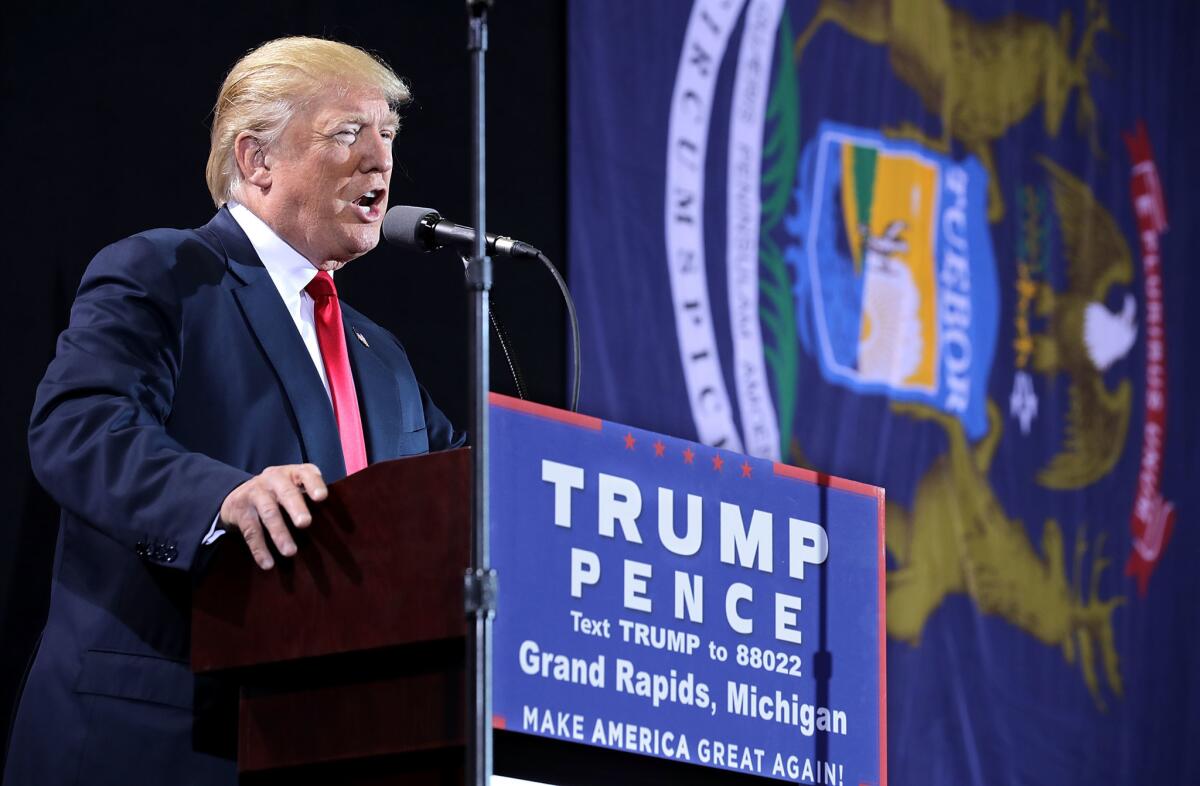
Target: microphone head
point(408, 226)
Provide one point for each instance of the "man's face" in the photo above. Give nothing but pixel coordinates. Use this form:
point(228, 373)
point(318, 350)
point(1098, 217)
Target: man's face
point(330, 172)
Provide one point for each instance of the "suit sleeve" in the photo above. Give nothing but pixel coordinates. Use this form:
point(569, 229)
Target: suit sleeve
point(98, 440)
point(441, 433)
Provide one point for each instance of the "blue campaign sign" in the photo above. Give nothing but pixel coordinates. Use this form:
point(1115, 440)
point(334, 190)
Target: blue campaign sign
point(677, 600)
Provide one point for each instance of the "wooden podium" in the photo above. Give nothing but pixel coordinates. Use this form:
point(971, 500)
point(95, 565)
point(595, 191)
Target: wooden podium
point(349, 658)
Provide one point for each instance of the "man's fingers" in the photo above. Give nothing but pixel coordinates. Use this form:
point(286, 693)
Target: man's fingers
point(309, 477)
point(293, 502)
point(268, 512)
point(252, 534)
point(253, 508)
point(283, 485)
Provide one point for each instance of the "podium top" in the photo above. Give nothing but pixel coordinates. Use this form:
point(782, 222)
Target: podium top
point(370, 572)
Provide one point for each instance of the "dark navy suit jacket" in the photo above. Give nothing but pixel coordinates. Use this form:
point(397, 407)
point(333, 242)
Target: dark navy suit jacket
point(180, 376)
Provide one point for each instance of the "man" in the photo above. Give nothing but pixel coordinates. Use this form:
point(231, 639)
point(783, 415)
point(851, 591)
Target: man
point(209, 382)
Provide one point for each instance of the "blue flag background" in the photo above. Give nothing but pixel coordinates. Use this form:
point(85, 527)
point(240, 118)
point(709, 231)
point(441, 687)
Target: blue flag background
point(940, 247)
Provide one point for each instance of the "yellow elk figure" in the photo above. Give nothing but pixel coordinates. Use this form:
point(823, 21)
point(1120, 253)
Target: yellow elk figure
point(980, 78)
point(957, 539)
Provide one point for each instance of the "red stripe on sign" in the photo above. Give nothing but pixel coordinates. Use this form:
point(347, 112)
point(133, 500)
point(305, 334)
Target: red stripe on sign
point(882, 582)
point(829, 481)
point(543, 411)
point(498, 722)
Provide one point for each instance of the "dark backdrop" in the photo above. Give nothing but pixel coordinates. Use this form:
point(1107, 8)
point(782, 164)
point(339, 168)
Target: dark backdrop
point(105, 133)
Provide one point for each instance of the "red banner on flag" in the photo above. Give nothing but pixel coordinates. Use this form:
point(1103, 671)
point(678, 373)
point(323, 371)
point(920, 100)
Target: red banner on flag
point(1153, 516)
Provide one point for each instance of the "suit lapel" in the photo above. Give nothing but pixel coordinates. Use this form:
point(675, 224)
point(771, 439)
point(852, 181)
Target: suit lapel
point(378, 394)
point(271, 324)
point(277, 334)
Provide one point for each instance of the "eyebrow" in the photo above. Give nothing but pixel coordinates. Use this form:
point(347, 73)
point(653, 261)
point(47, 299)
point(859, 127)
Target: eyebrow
point(392, 120)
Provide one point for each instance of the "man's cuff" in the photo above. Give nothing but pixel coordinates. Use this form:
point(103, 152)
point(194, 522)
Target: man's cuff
point(214, 532)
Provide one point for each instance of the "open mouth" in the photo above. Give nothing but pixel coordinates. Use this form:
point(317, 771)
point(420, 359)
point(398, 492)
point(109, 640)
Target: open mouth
point(370, 202)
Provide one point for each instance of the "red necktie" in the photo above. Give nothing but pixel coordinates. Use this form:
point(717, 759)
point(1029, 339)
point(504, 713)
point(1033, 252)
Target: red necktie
point(332, 340)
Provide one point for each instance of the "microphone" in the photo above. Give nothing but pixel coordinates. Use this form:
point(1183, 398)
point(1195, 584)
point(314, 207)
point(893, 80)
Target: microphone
point(425, 230)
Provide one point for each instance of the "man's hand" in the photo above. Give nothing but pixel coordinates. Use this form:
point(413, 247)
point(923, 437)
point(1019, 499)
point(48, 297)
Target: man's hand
point(255, 505)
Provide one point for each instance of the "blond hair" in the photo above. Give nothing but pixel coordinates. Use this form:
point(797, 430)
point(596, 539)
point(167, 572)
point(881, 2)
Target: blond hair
point(266, 88)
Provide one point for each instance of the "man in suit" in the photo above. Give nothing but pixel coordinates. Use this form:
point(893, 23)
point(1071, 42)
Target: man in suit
point(208, 384)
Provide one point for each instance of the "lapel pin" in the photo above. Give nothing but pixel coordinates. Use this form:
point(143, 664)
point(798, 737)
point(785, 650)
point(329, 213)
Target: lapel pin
point(361, 337)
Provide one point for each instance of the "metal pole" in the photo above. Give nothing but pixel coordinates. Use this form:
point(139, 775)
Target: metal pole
point(480, 579)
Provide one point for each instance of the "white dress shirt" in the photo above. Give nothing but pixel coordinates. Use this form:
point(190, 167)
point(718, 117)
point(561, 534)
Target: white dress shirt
point(291, 273)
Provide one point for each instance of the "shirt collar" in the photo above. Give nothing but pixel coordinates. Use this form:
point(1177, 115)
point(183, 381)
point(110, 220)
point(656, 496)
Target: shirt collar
point(289, 270)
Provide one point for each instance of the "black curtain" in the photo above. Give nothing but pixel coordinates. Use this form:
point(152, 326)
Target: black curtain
point(105, 133)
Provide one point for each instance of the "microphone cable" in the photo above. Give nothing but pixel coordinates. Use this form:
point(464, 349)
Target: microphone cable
point(505, 347)
point(573, 317)
point(510, 358)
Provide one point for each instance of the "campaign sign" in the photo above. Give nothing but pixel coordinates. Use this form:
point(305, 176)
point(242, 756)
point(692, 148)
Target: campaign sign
point(677, 600)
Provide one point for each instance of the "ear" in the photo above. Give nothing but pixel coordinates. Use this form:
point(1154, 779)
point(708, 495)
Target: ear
point(252, 160)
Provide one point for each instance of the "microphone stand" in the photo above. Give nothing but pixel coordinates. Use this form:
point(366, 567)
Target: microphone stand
point(480, 579)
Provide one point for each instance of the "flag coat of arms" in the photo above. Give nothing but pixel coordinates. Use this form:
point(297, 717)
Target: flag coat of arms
point(937, 246)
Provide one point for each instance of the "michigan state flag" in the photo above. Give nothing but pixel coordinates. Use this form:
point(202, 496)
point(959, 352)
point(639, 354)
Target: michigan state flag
point(943, 247)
